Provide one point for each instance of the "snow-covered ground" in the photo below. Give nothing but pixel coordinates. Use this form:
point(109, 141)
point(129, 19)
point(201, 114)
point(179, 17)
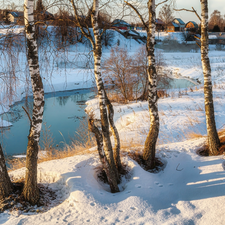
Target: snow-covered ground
point(190, 189)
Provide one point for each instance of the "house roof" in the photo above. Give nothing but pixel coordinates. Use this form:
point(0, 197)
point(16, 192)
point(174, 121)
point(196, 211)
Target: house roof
point(118, 22)
point(180, 21)
point(16, 14)
point(194, 23)
point(175, 24)
point(158, 21)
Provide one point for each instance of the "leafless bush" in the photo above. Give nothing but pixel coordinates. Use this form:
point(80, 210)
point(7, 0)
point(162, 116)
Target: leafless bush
point(141, 69)
point(129, 74)
point(118, 71)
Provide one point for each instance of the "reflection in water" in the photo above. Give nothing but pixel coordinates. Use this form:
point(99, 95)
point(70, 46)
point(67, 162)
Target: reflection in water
point(63, 113)
point(62, 100)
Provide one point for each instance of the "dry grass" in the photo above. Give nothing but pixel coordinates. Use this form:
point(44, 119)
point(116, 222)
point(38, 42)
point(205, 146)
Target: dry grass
point(52, 154)
point(204, 151)
point(81, 144)
point(193, 135)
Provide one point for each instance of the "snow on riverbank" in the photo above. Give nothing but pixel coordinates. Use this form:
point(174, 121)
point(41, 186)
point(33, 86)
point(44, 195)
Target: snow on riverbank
point(190, 189)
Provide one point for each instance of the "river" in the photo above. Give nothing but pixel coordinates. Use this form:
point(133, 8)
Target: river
point(63, 115)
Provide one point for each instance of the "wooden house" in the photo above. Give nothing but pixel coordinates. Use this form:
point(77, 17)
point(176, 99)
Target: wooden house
point(180, 25)
point(159, 25)
point(15, 17)
point(191, 26)
point(9, 16)
point(172, 27)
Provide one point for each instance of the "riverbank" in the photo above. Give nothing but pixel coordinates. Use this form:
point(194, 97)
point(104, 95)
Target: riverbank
point(190, 189)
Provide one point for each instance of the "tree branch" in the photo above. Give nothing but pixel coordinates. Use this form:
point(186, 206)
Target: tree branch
point(160, 3)
point(27, 114)
point(140, 16)
point(87, 35)
point(189, 10)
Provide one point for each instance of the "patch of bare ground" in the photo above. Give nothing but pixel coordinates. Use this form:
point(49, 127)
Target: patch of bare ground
point(204, 150)
point(138, 157)
point(123, 172)
point(16, 203)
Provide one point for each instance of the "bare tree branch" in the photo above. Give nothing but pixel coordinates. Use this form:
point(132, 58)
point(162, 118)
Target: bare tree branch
point(189, 10)
point(27, 114)
point(87, 35)
point(160, 3)
point(140, 16)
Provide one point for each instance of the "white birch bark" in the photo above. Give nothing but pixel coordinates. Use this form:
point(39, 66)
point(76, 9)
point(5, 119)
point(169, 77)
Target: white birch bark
point(97, 49)
point(103, 136)
point(213, 139)
point(30, 191)
point(150, 143)
point(6, 186)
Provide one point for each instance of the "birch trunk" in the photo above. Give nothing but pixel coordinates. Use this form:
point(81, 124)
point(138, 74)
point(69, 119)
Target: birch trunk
point(150, 143)
point(97, 49)
point(116, 150)
point(5, 183)
point(30, 191)
point(213, 139)
point(102, 156)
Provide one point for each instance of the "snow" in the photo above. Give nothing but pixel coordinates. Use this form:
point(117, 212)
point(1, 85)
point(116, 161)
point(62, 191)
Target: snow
point(190, 189)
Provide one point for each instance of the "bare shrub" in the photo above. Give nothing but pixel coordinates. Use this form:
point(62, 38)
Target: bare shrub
point(128, 75)
point(141, 63)
point(119, 72)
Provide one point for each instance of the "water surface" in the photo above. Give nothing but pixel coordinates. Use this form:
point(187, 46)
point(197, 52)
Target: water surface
point(63, 112)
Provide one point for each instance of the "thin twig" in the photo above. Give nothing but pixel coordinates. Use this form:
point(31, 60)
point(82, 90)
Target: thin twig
point(178, 166)
point(160, 3)
point(27, 114)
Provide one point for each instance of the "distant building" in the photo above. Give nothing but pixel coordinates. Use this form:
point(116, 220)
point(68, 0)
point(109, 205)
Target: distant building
point(191, 26)
point(17, 17)
point(176, 25)
point(9, 16)
point(180, 24)
point(121, 24)
point(172, 27)
point(159, 25)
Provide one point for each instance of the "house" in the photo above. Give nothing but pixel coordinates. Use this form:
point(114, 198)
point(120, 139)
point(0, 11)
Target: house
point(191, 26)
point(159, 25)
point(172, 27)
point(15, 17)
point(9, 16)
point(180, 24)
point(122, 25)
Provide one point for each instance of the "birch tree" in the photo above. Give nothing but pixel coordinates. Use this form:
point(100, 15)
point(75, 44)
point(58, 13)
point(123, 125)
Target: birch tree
point(30, 191)
point(213, 139)
point(150, 142)
point(6, 186)
point(111, 162)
